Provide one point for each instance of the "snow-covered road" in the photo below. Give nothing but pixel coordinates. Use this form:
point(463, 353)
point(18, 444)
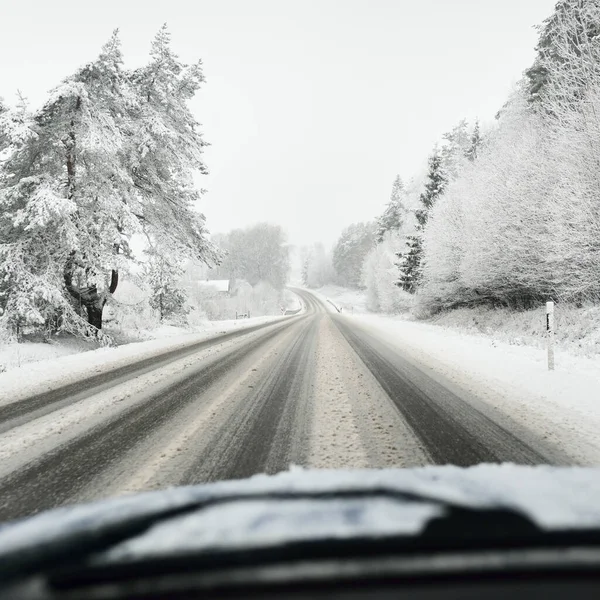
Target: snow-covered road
point(318, 389)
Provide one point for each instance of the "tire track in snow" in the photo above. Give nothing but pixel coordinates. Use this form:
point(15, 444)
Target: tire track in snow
point(58, 476)
point(271, 428)
point(20, 412)
point(451, 430)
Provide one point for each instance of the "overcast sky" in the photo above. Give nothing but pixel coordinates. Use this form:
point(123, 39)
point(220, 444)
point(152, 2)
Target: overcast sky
point(311, 106)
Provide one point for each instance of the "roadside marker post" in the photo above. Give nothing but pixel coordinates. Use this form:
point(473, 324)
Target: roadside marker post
point(550, 333)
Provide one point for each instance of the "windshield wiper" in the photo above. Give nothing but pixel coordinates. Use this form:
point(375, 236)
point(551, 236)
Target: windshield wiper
point(79, 556)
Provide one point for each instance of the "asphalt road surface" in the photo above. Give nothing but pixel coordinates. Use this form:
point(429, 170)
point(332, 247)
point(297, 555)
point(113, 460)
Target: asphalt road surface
point(315, 390)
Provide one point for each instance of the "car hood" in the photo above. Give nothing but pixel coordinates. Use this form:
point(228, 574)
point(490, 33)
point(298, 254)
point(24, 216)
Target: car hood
point(302, 504)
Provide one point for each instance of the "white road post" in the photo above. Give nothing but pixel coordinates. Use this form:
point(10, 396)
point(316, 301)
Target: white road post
point(550, 333)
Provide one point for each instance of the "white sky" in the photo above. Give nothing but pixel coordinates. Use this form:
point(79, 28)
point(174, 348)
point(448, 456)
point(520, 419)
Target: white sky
point(311, 106)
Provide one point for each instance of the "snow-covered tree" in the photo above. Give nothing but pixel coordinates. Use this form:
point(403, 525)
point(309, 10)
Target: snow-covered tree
point(109, 155)
point(317, 268)
point(455, 148)
point(163, 279)
point(410, 260)
point(350, 251)
point(568, 55)
point(257, 253)
point(379, 272)
point(3, 125)
point(522, 223)
point(476, 140)
point(394, 214)
point(305, 257)
point(166, 150)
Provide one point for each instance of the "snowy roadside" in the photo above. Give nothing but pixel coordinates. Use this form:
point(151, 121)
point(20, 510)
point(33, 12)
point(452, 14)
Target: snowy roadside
point(562, 406)
point(45, 375)
point(338, 299)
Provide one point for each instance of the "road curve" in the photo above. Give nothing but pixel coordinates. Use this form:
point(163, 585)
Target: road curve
point(313, 390)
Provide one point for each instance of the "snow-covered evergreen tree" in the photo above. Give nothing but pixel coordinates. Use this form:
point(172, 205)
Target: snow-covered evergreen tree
point(394, 214)
point(409, 262)
point(3, 125)
point(109, 155)
point(166, 150)
point(379, 274)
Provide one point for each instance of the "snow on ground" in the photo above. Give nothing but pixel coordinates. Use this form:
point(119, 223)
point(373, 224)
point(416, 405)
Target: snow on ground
point(349, 301)
point(32, 378)
point(354, 424)
point(561, 406)
point(13, 355)
point(577, 328)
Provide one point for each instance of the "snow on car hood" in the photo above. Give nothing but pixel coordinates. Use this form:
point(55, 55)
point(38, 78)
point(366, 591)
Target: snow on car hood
point(553, 497)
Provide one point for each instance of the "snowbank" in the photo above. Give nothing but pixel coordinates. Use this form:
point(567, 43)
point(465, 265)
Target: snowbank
point(577, 329)
point(349, 301)
point(13, 355)
point(44, 375)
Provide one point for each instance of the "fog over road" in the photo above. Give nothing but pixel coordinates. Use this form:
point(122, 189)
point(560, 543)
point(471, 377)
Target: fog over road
point(315, 390)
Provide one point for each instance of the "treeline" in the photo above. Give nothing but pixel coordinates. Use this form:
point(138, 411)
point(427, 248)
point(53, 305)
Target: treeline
point(520, 224)
point(511, 216)
point(109, 156)
point(257, 254)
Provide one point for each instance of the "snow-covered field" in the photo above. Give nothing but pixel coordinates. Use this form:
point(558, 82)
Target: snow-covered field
point(562, 406)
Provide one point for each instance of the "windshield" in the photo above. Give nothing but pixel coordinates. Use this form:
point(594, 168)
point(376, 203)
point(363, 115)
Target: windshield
point(243, 238)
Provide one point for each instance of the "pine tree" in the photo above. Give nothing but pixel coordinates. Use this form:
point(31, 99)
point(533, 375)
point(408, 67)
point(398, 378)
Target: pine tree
point(394, 213)
point(453, 152)
point(111, 154)
point(167, 149)
point(476, 141)
point(409, 262)
point(62, 197)
point(434, 187)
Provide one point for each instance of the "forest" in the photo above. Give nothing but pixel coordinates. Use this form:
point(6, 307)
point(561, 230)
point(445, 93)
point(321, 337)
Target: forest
point(507, 214)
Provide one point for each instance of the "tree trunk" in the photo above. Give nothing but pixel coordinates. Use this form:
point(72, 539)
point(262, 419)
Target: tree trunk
point(94, 312)
point(90, 298)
